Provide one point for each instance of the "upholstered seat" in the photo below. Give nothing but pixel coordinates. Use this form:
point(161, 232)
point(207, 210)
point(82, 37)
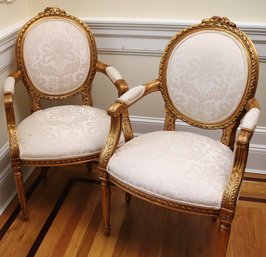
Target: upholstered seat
point(177, 166)
point(56, 58)
point(63, 132)
point(208, 78)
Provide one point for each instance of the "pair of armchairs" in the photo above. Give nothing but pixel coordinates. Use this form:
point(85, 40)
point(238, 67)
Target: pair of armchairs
point(207, 77)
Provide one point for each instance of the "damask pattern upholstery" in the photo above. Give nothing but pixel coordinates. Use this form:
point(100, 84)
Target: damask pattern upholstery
point(207, 75)
point(63, 132)
point(133, 95)
point(56, 63)
point(251, 118)
point(178, 166)
point(9, 85)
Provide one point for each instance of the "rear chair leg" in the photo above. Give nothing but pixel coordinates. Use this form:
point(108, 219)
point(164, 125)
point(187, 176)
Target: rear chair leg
point(127, 197)
point(105, 188)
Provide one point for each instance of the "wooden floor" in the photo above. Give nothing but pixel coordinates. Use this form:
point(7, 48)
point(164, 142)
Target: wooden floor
point(66, 220)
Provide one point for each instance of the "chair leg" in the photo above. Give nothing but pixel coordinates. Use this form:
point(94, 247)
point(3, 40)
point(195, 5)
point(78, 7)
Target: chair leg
point(105, 188)
point(89, 167)
point(21, 193)
point(44, 171)
point(127, 197)
point(223, 239)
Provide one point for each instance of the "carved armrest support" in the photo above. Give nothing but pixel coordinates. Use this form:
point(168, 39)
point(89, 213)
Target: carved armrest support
point(110, 145)
point(132, 96)
point(9, 89)
point(231, 192)
point(114, 75)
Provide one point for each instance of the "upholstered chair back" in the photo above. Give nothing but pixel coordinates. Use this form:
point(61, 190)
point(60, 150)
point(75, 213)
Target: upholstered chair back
point(208, 73)
point(57, 56)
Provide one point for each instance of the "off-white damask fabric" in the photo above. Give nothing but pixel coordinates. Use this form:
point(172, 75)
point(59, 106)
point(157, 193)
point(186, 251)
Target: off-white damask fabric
point(207, 75)
point(180, 166)
point(56, 56)
point(251, 118)
point(132, 95)
point(9, 85)
point(63, 132)
point(113, 73)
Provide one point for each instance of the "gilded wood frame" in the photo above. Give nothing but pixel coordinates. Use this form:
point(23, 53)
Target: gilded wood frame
point(36, 96)
point(225, 214)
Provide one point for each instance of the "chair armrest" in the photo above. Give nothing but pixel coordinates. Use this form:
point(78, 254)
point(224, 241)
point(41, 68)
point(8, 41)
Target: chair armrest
point(132, 96)
point(119, 120)
point(114, 75)
point(9, 85)
point(250, 119)
point(9, 89)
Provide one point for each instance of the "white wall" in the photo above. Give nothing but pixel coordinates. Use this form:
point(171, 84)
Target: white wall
point(12, 12)
point(239, 10)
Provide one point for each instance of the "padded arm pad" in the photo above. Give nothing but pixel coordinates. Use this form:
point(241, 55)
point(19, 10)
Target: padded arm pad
point(9, 85)
point(250, 119)
point(132, 95)
point(113, 74)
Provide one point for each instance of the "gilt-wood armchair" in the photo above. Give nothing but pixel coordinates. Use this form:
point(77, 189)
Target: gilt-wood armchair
point(56, 59)
point(207, 77)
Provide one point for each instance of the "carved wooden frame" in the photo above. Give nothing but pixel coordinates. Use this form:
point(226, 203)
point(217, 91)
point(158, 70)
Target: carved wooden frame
point(225, 214)
point(35, 96)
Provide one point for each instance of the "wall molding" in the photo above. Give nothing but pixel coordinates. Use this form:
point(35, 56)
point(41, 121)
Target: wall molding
point(7, 42)
point(149, 37)
point(129, 37)
point(257, 150)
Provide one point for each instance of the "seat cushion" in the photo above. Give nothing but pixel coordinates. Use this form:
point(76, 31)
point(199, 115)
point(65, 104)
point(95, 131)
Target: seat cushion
point(63, 132)
point(178, 166)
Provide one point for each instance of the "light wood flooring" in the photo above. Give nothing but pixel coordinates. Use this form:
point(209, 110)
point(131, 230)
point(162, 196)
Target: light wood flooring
point(66, 220)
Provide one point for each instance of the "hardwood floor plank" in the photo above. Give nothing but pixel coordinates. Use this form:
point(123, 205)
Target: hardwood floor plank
point(103, 246)
point(254, 189)
point(79, 233)
point(248, 233)
point(91, 230)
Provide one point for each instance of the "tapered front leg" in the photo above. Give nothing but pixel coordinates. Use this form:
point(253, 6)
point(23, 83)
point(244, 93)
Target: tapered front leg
point(223, 239)
point(21, 192)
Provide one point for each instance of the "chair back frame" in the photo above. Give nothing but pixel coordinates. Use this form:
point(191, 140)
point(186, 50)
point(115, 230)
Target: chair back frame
point(52, 13)
point(231, 122)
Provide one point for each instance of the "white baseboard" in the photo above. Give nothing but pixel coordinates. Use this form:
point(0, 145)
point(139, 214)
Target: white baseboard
point(257, 151)
point(7, 183)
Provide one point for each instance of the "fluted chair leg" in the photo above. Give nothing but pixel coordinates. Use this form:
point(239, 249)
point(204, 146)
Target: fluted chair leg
point(105, 188)
point(21, 193)
point(223, 239)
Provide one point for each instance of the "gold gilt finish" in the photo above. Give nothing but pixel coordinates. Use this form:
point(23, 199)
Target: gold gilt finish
point(225, 214)
point(36, 96)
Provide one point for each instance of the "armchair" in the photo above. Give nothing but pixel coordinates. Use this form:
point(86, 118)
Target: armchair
point(56, 59)
point(207, 77)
